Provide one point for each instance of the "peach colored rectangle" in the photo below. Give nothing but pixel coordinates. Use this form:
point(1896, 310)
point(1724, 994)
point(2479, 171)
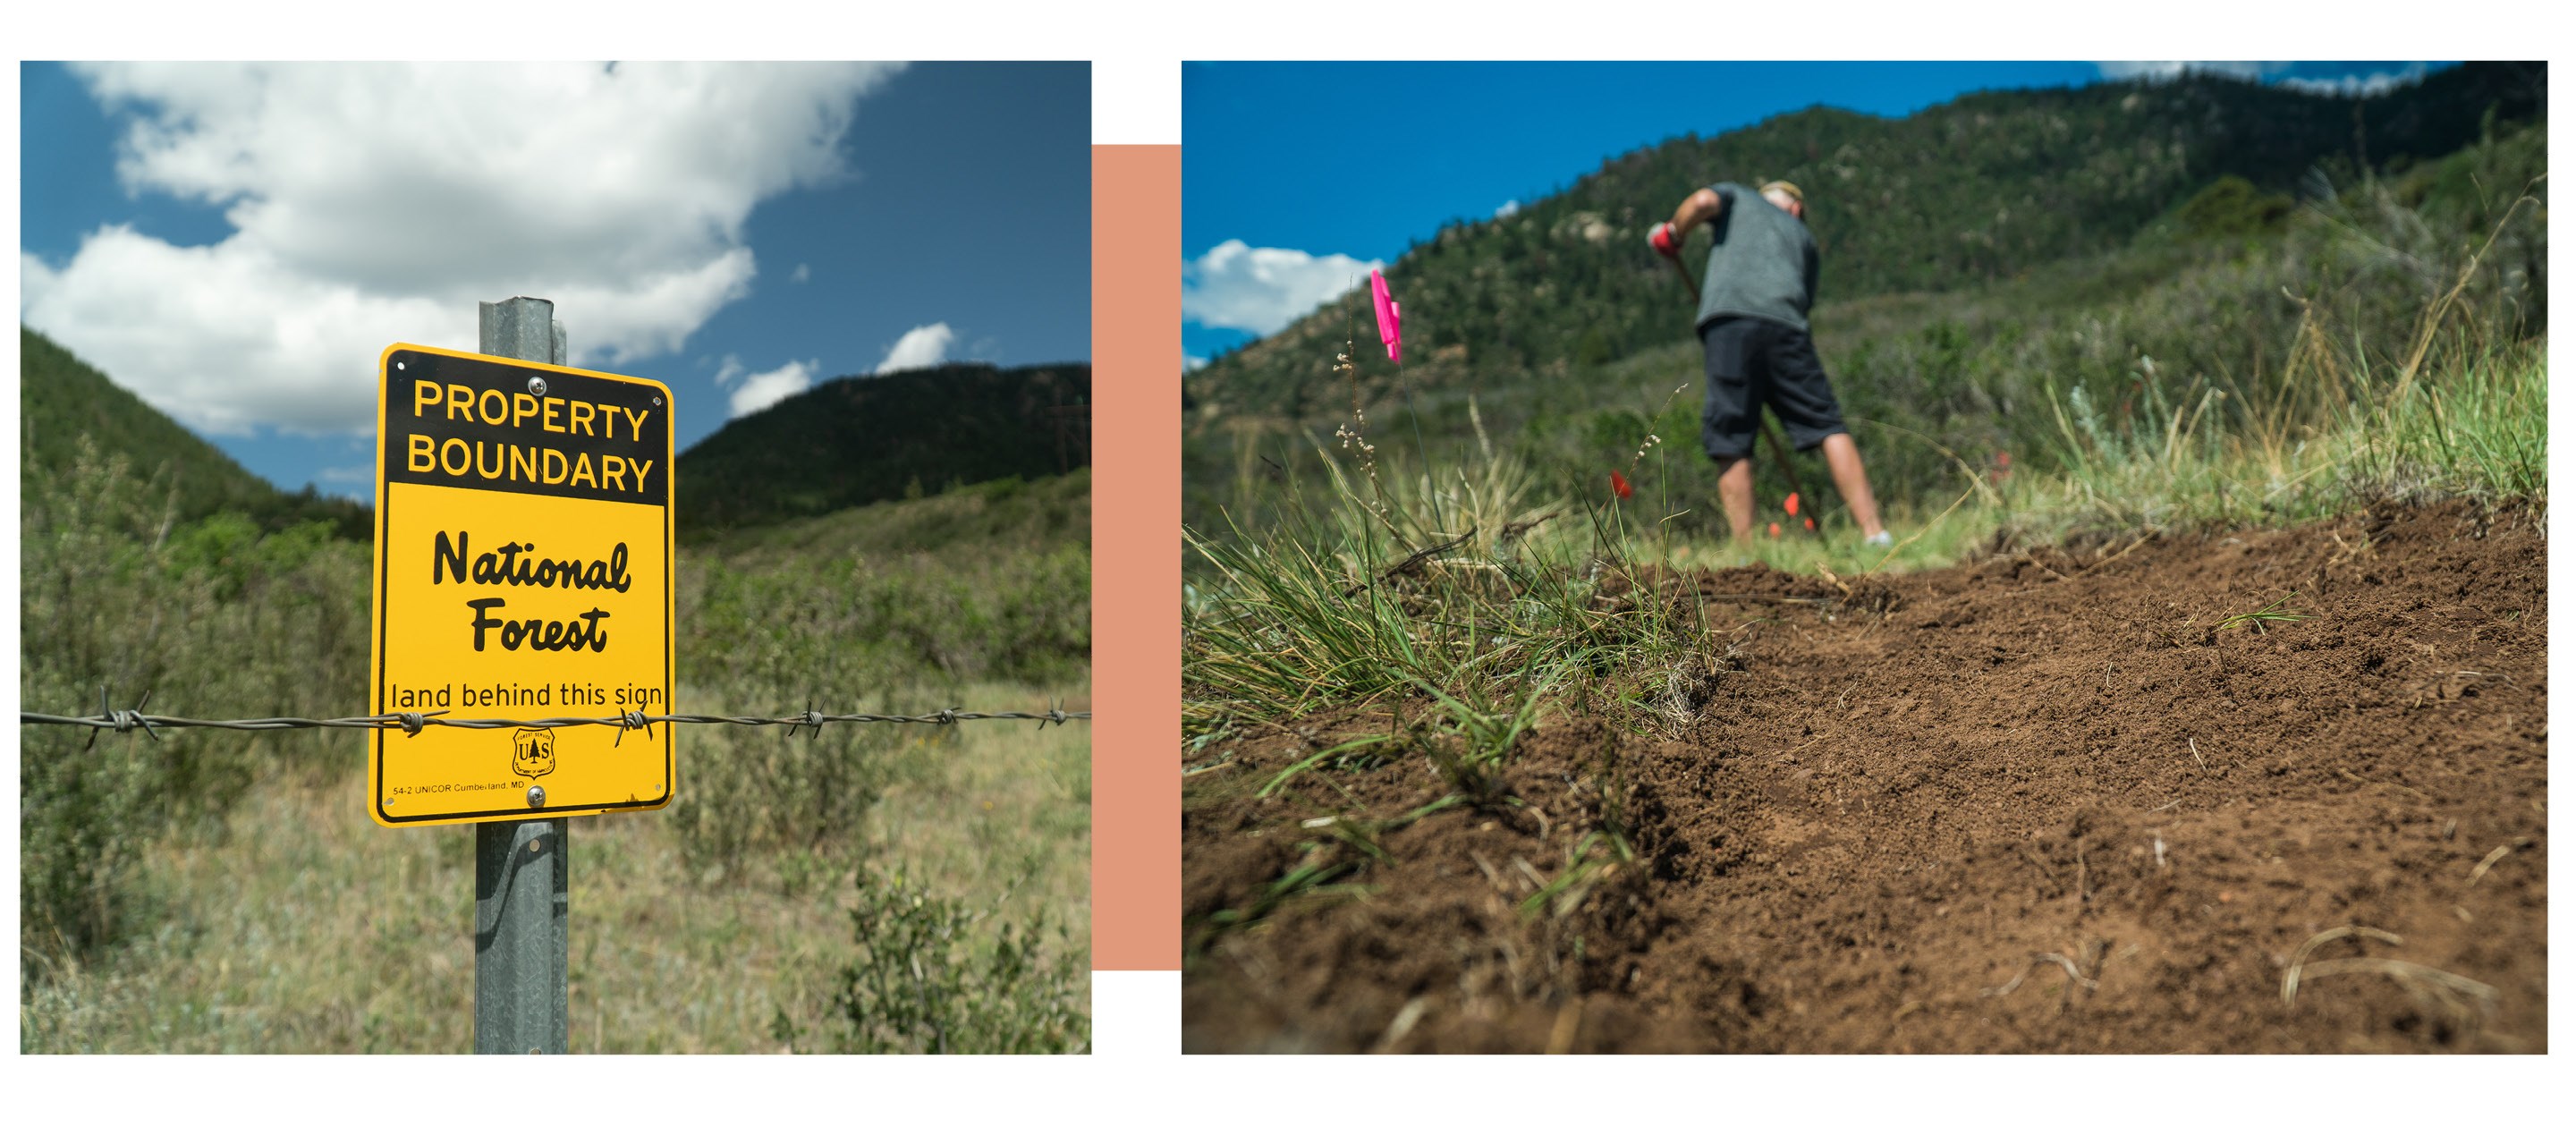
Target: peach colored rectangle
point(1135, 556)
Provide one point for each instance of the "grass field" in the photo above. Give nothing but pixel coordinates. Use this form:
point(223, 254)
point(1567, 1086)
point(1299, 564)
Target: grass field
point(303, 927)
point(225, 892)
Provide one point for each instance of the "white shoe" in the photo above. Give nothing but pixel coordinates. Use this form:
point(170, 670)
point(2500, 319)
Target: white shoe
point(1882, 540)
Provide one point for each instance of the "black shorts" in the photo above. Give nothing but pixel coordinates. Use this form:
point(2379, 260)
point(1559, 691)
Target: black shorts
point(1753, 362)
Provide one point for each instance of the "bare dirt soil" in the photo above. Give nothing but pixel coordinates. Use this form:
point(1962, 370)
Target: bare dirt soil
point(2050, 800)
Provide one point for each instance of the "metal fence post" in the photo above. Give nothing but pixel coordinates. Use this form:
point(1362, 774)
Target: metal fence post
point(522, 938)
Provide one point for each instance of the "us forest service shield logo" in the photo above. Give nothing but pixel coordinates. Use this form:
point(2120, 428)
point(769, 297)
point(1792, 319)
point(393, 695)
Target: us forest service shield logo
point(532, 751)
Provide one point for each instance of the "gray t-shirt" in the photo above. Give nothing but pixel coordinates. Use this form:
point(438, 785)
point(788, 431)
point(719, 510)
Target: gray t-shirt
point(1763, 264)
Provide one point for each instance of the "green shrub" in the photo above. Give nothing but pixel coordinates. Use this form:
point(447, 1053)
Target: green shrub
point(878, 610)
point(934, 976)
point(2232, 207)
point(748, 792)
point(212, 619)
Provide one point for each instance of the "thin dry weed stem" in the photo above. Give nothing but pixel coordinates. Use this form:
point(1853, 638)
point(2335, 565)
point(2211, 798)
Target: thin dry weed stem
point(2074, 974)
point(2498, 854)
point(2290, 976)
point(1901, 545)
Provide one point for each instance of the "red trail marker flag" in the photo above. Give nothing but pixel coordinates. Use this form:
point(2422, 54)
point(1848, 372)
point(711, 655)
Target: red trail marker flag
point(1389, 329)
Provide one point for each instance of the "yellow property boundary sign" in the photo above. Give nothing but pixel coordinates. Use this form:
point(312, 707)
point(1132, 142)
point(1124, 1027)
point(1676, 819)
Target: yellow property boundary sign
point(522, 571)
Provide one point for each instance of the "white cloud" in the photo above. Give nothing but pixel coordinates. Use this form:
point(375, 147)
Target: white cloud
point(1509, 209)
point(761, 390)
point(2350, 85)
point(803, 273)
point(925, 346)
point(1234, 286)
point(379, 202)
point(2167, 70)
point(2360, 85)
point(1193, 363)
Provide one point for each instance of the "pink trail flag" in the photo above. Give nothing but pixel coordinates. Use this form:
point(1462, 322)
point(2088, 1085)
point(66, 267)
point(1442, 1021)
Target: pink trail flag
point(1389, 328)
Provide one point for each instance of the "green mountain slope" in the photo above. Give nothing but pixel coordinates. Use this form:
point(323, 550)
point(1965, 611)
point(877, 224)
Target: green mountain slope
point(2238, 301)
point(983, 582)
point(61, 399)
point(1978, 190)
point(855, 440)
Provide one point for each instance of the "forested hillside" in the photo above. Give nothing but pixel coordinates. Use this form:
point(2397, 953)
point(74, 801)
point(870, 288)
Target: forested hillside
point(61, 400)
point(862, 439)
point(1981, 189)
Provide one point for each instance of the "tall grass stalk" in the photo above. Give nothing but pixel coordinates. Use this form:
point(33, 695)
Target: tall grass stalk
point(2466, 418)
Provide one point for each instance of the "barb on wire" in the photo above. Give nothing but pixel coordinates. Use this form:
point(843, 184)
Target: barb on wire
point(411, 723)
point(122, 721)
point(808, 719)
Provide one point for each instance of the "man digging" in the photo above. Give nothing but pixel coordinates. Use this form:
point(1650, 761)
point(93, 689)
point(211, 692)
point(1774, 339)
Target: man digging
point(1761, 280)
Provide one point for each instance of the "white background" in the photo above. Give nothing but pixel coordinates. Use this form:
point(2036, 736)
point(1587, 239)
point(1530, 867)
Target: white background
point(1136, 1074)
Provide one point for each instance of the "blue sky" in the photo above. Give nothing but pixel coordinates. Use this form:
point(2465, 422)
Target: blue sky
point(1296, 176)
point(237, 244)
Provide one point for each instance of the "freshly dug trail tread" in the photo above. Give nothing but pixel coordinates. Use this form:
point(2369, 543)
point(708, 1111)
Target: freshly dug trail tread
point(2047, 801)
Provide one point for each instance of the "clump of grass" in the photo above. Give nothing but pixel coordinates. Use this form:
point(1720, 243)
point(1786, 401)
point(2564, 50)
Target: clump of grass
point(1313, 876)
point(1442, 591)
point(1352, 753)
point(2481, 432)
point(1592, 859)
point(1364, 593)
point(1471, 746)
point(2260, 618)
point(2477, 428)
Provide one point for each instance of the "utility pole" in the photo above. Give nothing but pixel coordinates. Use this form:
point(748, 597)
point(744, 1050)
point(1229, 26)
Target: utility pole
point(522, 937)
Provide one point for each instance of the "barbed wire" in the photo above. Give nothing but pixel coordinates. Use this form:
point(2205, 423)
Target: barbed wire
point(412, 723)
